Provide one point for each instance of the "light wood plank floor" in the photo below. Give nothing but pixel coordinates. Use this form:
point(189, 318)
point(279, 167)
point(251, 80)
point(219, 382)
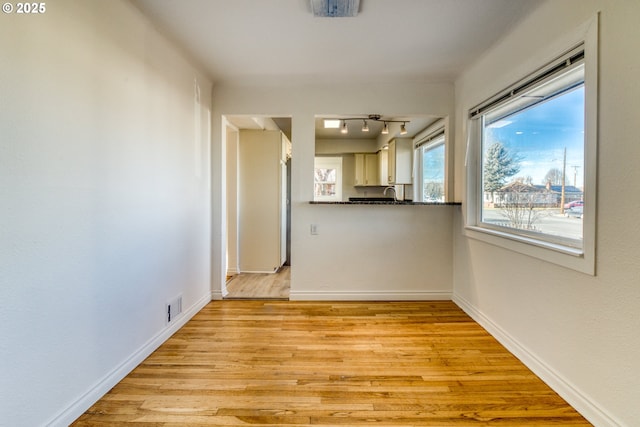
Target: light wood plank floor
point(280, 363)
point(260, 285)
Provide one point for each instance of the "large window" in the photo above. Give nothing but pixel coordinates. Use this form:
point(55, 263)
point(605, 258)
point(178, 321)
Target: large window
point(533, 163)
point(529, 178)
point(430, 167)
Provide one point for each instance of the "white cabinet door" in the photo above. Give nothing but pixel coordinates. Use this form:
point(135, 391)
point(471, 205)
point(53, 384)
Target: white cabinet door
point(366, 169)
point(383, 167)
point(371, 169)
point(359, 178)
point(400, 161)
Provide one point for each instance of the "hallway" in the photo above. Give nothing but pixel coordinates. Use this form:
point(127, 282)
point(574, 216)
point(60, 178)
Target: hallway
point(260, 285)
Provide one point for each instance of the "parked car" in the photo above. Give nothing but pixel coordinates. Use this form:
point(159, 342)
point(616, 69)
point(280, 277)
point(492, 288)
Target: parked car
point(573, 204)
point(576, 211)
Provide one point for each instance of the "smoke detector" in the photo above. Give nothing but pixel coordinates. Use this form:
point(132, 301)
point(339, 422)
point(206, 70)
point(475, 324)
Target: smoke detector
point(335, 8)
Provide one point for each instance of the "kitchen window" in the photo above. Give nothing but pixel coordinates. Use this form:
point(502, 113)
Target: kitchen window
point(431, 165)
point(531, 163)
point(327, 179)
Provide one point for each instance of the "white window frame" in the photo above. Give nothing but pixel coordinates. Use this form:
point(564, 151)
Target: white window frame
point(432, 137)
point(329, 163)
point(582, 259)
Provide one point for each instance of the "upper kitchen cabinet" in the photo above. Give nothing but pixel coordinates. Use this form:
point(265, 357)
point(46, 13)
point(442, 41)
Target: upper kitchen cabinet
point(399, 162)
point(366, 169)
point(383, 167)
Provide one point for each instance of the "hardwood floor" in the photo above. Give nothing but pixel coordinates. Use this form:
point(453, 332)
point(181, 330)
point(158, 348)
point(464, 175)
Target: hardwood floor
point(260, 285)
point(280, 363)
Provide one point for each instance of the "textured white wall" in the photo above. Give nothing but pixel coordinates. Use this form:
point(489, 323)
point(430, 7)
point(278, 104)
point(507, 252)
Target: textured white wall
point(104, 201)
point(394, 259)
point(580, 330)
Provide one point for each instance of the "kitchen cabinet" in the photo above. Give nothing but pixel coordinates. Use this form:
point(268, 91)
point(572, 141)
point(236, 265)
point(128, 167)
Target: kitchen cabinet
point(383, 167)
point(400, 158)
point(366, 169)
point(262, 200)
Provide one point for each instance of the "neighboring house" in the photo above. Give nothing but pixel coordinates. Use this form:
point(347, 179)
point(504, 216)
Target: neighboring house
point(571, 193)
point(543, 196)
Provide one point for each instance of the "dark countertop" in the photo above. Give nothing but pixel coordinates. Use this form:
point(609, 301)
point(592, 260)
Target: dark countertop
point(387, 202)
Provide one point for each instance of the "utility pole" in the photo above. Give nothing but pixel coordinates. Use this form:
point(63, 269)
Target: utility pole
point(564, 174)
point(575, 175)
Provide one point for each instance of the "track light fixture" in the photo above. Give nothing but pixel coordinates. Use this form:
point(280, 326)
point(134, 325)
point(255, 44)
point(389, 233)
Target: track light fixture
point(375, 118)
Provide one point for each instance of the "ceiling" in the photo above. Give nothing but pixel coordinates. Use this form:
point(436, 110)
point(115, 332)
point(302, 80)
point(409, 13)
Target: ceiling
point(245, 40)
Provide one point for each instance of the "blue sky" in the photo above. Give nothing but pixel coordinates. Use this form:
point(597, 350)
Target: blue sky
point(540, 134)
point(433, 164)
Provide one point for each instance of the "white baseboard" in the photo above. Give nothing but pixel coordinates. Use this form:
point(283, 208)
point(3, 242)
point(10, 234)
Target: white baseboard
point(585, 405)
point(77, 408)
point(369, 296)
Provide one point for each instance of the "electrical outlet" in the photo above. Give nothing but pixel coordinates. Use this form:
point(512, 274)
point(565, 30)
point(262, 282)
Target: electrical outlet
point(314, 229)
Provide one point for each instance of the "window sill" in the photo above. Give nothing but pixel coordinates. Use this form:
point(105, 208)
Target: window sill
point(565, 256)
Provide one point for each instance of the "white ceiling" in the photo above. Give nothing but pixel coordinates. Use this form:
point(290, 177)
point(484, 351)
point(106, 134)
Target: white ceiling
point(244, 40)
point(281, 40)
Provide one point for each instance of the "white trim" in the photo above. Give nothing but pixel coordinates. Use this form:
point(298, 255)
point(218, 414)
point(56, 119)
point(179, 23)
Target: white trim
point(583, 403)
point(556, 254)
point(430, 132)
point(370, 296)
point(91, 396)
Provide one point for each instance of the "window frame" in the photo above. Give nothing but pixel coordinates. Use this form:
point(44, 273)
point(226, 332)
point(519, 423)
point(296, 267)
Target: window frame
point(434, 137)
point(579, 259)
point(329, 163)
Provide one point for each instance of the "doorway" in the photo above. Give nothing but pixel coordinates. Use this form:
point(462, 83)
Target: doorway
point(258, 226)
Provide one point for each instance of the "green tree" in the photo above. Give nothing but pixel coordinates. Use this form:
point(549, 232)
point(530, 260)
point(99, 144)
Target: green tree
point(499, 165)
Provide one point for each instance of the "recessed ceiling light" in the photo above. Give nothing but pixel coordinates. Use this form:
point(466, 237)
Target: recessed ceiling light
point(331, 123)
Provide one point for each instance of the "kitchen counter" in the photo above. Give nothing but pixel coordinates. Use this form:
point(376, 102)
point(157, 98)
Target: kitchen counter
point(386, 202)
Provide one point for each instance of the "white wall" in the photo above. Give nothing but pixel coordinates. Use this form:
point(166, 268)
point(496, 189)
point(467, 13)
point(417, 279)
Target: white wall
point(393, 239)
point(579, 332)
point(104, 195)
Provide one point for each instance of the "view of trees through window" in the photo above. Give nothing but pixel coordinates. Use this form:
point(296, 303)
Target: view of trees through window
point(325, 182)
point(327, 179)
point(533, 168)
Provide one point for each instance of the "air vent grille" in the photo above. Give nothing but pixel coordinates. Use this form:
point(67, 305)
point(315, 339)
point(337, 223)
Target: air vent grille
point(335, 8)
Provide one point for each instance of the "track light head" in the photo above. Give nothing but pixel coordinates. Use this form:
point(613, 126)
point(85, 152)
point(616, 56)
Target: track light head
point(385, 129)
point(344, 128)
point(403, 129)
point(365, 126)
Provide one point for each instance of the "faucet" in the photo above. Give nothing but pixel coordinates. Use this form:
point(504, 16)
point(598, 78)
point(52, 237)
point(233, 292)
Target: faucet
point(395, 198)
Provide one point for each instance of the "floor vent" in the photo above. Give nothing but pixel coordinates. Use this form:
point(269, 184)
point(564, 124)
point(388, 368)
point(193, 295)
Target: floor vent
point(174, 308)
